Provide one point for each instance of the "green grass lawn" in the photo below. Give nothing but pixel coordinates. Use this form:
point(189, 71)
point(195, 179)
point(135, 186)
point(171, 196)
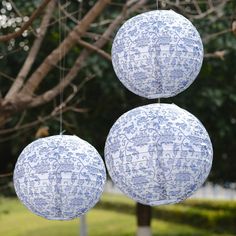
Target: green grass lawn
point(114, 215)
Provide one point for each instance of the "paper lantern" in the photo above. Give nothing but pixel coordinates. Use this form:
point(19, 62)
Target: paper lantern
point(158, 154)
point(157, 54)
point(59, 177)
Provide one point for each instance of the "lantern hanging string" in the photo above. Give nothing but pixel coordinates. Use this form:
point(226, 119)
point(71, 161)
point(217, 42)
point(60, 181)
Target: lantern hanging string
point(61, 69)
point(159, 100)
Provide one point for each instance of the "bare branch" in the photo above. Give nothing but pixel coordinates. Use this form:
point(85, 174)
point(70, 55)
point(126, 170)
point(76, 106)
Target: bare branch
point(216, 54)
point(210, 37)
point(211, 10)
point(33, 52)
point(69, 15)
point(210, 3)
point(49, 95)
point(6, 76)
point(234, 27)
point(6, 175)
point(35, 14)
point(9, 137)
point(195, 3)
point(21, 119)
point(25, 126)
point(63, 49)
point(40, 120)
point(196, 14)
point(10, 52)
point(62, 107)
point(88, 46)
point(95, 49)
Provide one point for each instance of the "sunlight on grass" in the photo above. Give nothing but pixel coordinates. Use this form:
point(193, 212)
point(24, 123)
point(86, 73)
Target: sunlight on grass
point(16, 220)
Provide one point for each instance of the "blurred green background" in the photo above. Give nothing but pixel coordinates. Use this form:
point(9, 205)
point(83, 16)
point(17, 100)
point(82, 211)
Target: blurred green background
point(114, 215)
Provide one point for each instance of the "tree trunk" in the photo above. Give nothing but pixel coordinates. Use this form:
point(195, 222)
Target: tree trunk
point(144, 215)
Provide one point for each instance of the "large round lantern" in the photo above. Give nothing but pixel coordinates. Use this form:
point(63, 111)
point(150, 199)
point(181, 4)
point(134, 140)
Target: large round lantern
point(157, 54)
point(59, 177)
point(158, 154)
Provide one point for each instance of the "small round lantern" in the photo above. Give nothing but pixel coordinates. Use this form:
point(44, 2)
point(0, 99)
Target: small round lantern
point(157, 54)
point(158, 154)
point(59, 177)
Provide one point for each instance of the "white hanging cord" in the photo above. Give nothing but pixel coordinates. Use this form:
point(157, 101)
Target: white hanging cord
point(158, 100)
point(80, 9)
point(61, 74)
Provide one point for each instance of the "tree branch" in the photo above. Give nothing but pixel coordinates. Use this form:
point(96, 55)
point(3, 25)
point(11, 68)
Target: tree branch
point(62, 107)
point(216, 54)
point(16, 86)
point(49, 95)
point(63, 49)
point(6, 175)
point(196, 14)
point(6, 76)
point(89, 46)
point(210, 37)
point(28, 125)
point(95, 49)
point(211, 10)
point(198, 9)
point(35, 14)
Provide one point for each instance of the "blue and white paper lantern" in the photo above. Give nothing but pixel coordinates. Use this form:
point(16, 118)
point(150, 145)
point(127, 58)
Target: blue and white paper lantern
point(158, 154)
point(59, 177)
point(157, 54)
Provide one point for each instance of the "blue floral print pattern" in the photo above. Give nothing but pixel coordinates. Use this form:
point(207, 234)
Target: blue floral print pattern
point(158, 154)
point(157, 54)
point(59, 177)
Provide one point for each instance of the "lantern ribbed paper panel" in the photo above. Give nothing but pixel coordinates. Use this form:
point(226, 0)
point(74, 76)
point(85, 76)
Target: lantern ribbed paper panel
point(158, 154)
point(157, 54)
point(59, 177)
